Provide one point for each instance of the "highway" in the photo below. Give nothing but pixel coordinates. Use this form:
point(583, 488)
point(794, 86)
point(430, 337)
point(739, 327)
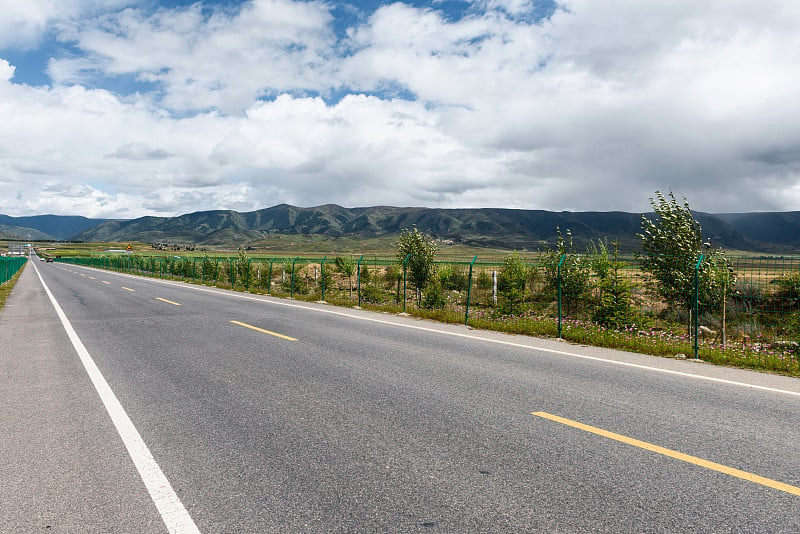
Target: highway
point(232, 412)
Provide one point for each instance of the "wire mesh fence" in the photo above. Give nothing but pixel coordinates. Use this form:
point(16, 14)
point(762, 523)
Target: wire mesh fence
point(9, 267)
point(751, 319)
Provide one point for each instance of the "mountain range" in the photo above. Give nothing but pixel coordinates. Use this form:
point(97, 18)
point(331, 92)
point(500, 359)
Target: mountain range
point(772, 232)
point(45, 227)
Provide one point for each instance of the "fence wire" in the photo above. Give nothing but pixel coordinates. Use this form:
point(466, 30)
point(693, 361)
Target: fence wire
point(9, 267)
point(754, 322)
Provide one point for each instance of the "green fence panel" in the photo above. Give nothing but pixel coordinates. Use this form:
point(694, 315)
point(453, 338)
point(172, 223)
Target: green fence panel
point(9, 266)
point(747, 313)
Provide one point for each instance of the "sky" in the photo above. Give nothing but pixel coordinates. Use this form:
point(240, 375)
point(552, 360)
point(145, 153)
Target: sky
point(127, 108)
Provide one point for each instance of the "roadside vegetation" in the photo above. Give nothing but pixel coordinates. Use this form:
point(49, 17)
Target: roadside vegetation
point(679, 297)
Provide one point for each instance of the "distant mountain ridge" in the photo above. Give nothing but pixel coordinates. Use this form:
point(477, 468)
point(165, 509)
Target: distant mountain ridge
point(772, 232)
point(496, 227)
point(44, 227)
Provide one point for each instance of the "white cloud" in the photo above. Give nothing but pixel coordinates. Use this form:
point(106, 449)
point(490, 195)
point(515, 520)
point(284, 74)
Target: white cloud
point(23, 23)
point(6, 70)
point(224, 61)
point(592, 109)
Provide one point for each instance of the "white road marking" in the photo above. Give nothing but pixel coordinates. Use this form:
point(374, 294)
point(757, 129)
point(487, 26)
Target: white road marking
point(166, 500)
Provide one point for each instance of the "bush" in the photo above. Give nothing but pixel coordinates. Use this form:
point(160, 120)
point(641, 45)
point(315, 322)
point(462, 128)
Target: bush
point(574, 273)
point(511, 282)
point(787, 294)
point(614, 306)
point(366, 275)
point(372, 294)
point(300, 285)
point(347, 267)
point(244, 273)
point(393, 275)
point(452, 278)
point(433, 296)
point(483, 281)
point(209, 269)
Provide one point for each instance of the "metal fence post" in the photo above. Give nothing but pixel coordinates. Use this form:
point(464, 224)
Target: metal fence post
point(291, 293)
point(358, 280)
point(469, 290)
point(560, 263)
point(247, 276)
point(697, 305)
point(269, 280)
point(322, 270)
point(405, 270)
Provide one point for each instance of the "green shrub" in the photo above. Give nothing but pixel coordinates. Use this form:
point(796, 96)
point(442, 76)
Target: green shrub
point(452, 278)
point(613, 308)
point(366, 275)
point(511, 281)
point(433, 296)
point(483, 281)
point(372, 294)
point(574, 273)
point(392, 275)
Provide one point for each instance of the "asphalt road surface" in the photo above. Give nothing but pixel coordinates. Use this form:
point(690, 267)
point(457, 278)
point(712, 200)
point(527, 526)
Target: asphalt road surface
point(138, 405)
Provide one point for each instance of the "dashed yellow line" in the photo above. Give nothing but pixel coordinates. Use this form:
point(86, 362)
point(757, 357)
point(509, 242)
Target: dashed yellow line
point(109, 283)
point(167, 301)
point(744, 475)
point(127, 288)
point(257, 329)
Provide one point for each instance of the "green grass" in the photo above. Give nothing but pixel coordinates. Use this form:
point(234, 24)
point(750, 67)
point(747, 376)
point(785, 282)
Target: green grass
point(278, 246)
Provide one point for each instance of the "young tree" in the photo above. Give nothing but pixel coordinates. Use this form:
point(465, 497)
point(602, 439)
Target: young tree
point(420, 265)
point(511, 284)
point(242, 266)
point(614, 303)
point(574, 271)
point(366, 274)
point(672, 245)
point(347, 267)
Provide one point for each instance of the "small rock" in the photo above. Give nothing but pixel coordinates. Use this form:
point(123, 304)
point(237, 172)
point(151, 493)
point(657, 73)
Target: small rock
point(680, 356)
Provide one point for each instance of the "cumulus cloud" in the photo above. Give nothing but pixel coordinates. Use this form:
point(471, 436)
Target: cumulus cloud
point(23, 24)
point(224, 60)
point(6, 70)
point(245, 105)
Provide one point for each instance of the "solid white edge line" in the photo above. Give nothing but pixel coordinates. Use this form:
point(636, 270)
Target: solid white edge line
point(279, 302)
point(170, 507)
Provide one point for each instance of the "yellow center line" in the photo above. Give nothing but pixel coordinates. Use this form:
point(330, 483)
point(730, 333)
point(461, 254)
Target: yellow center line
point(257, 329)
point(109, 283)
point(744, 475)
point(167, 301)
point(127, 288)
